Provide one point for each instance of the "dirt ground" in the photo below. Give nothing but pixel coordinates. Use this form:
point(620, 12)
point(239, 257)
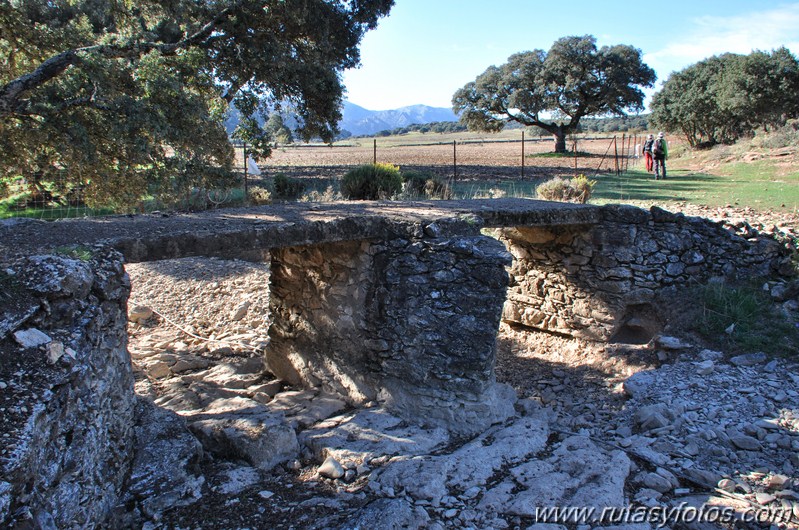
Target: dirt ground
point(473, 160)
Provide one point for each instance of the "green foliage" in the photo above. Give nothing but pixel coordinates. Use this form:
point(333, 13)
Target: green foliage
point(126, 99)
point(629, 124)
point(276, 127)
point(572, 80)
point(726, 97)
point(743, 319)
point(441, 127)
point(286, 188)
point(577, 189)
point(372, 182)
point(79, 252)
point(424, 184)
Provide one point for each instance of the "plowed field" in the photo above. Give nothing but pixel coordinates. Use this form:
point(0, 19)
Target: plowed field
point(473, 160)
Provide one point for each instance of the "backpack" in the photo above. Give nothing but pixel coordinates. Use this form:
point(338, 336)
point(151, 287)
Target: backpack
point(657, 147)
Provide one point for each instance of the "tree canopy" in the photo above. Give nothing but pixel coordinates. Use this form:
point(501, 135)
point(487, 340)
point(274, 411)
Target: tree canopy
point(121, 97)
point(722, 98)
point(554, 90)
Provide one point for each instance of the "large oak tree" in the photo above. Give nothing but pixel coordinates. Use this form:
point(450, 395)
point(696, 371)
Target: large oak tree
point(120, 98)
point(553, 90)
point(725, 97)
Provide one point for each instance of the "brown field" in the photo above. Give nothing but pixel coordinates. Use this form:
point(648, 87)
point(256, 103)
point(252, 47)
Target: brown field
point(475, 160)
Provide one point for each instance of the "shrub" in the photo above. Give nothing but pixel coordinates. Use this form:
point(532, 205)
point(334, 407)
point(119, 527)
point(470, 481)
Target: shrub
point(578, 189)
point(785, 136)
point(425, 184)
point(371, 182)
point(259, 196)
point(329, 195)
point(491, 193)
point(285, 188)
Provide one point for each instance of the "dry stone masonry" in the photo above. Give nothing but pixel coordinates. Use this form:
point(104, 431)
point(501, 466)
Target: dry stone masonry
point(67, 396)
point(409, 322)
point(396, 306)
point(601, 280)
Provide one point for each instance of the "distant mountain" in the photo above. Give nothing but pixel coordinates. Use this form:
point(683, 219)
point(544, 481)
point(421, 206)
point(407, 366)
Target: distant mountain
point(360, 121)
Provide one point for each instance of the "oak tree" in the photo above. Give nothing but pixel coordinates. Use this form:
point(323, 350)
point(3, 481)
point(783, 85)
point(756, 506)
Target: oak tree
point(554, 90)
point(124, 98)
point(725, 97)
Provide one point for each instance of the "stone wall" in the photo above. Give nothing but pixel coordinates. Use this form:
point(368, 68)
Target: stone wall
point(410, 322)
point(66, 390)
point(593, 281)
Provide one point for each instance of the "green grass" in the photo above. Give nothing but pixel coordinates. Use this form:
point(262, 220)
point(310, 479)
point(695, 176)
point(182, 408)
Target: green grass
point(61, 212)
point(743, 319)
point(494, 189)
point(753, 185)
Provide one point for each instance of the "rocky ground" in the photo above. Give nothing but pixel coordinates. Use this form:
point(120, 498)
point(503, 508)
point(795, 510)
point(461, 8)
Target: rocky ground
point(664, 425)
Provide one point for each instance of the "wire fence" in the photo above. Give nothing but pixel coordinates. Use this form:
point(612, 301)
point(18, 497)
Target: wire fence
point(473, 167)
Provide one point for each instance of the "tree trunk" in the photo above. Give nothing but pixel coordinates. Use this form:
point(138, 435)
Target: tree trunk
point(560, 140)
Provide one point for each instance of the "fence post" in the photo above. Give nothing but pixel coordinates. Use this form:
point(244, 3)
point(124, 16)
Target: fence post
point(244, 152)
point(454, 160)
point(522, 154)
point(599, 167)
point(374, 159)
point(574, 150)
point(616, 155)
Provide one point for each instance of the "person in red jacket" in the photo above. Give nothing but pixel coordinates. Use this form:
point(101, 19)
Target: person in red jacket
point(648, 152)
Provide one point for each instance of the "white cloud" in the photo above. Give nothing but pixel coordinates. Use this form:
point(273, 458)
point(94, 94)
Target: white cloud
point(712, 35)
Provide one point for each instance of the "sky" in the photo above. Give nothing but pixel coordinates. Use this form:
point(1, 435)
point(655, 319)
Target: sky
point(427, 49)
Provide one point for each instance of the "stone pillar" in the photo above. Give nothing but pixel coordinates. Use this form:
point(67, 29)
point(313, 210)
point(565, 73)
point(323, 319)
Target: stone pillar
point(67, 391)
point(409, 322)
point(437, 312)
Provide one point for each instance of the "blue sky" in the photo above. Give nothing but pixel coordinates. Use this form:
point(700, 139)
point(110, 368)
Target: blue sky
point(426, 49)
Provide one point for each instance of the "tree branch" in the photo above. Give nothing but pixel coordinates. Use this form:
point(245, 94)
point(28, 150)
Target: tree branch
point(11, 93)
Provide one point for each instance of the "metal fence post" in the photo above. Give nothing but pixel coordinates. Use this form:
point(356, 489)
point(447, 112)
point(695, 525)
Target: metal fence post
point(244, 153)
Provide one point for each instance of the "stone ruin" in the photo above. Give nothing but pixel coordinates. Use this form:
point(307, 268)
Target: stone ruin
point(405, 317)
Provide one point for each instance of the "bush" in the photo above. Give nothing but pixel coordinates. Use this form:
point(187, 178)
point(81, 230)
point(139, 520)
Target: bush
point(371, 182)
point(491, 193)
point(578, 189)
point(424, 184)
point(785, 136)
point(287, 189)
point(329, 195)
point(259, 196)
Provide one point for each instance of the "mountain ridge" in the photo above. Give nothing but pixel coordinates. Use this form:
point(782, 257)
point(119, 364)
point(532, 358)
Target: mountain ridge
point(358, 120)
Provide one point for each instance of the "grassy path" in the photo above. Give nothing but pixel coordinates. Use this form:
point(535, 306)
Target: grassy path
point(757, 185)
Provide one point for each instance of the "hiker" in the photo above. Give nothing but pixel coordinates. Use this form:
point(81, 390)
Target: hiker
point(660, 151)
point(648, 152)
